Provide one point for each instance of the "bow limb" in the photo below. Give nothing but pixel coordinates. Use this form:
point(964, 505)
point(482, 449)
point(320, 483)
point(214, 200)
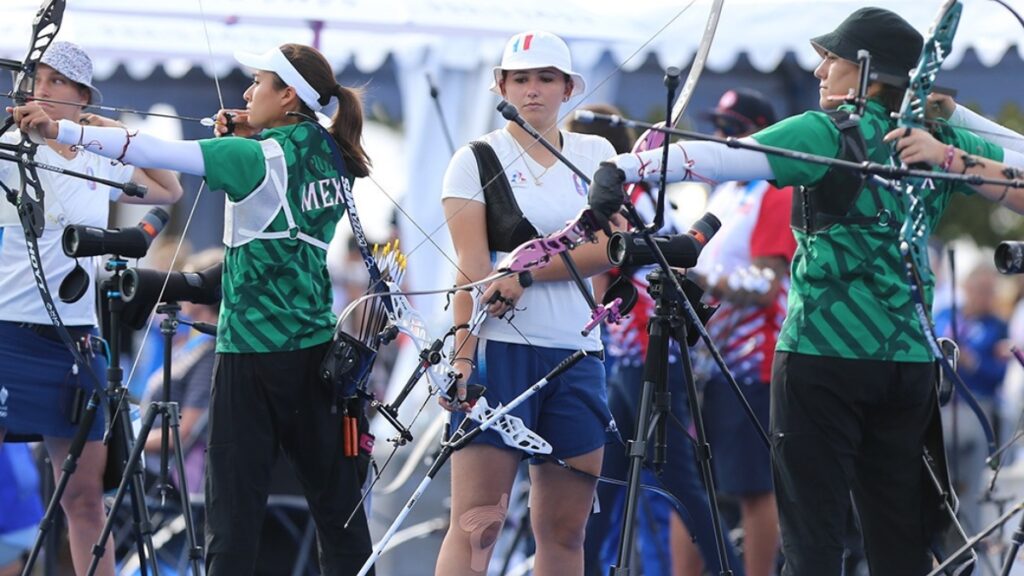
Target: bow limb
point(652, 139)
point(916, 226)
point(30, 196)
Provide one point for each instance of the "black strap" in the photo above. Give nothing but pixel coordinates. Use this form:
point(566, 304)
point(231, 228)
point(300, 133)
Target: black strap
point(507, 228)
point(832, 199)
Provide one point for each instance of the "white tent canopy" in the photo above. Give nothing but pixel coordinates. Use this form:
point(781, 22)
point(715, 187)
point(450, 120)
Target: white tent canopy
point(467, 33)
point(457, 41)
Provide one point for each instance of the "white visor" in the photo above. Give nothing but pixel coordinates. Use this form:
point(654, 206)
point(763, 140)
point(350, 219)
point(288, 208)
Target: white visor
point(274, 60)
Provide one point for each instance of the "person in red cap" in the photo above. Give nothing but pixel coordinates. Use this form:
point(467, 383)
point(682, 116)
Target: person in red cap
point(35, 395)
point(853, 379)
point(745, 269)
point(285, 190)
point(515, 190)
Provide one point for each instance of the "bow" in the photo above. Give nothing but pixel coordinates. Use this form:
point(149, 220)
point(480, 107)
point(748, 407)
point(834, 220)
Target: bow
point(29, 199)
point(652, 139)
point(917, 224)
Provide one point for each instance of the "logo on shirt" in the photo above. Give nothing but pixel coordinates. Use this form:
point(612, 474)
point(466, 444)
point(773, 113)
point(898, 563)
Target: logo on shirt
point(581, 186)
point(324, 193)
point(3, 401)
point(517, 178)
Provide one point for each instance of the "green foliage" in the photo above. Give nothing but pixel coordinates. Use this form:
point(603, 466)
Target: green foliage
point(987, 223)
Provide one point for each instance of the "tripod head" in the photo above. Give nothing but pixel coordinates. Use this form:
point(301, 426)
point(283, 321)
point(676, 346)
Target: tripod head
point(665, 303)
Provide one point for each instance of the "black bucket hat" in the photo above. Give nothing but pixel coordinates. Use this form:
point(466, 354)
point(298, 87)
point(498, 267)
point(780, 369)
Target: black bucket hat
point(894, 45)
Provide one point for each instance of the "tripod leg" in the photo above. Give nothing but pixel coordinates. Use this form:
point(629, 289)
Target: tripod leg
point(195, 552)
point(134, 469)
point(655, 368)
point(132, 474)
point(67, 469)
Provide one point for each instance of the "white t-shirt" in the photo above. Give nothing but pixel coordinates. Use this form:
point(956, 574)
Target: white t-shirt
point(67, 200)
point(555, 312)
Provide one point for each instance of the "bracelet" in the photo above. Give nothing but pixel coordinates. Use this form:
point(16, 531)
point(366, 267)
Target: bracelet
point(948, 162)
point(127, 141)
point(464, 359)
point(1003, 195)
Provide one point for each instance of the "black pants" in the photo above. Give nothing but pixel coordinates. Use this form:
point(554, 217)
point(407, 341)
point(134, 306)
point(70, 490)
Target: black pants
point(850, 425)
point(261, 402)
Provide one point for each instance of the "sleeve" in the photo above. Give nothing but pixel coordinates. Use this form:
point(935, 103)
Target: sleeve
point(997, 134)
point(137, 149)
point(234, 165)
point(976, 146)
point(771, 235)
point(810, 132)
point(708, 162)
point(462, 178)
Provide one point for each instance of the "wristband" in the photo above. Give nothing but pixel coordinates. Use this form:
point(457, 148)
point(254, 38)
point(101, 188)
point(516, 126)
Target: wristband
point(948, 162)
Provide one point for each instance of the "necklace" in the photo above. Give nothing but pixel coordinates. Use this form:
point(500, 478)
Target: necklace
point(526, 162)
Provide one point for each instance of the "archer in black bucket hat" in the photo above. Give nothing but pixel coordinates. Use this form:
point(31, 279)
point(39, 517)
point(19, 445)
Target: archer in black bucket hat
point(894, 44)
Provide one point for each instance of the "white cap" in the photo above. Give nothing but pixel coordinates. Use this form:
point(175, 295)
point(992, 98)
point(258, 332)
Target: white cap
point(274, 60)
point(537, 49)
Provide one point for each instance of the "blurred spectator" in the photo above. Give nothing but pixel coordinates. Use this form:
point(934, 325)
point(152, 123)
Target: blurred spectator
point(980, 332)
point(20, 503)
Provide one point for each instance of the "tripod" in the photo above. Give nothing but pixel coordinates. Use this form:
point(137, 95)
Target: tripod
point(668, 322)
point(120, 426)
point(169, 426)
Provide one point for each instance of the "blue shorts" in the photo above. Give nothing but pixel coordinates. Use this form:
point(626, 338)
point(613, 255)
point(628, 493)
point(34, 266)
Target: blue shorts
point(571, 412)
point(38, 387)
point(742, 462)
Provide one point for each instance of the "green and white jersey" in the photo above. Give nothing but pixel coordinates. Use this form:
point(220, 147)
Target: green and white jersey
point(849, 297)
point(277, 293)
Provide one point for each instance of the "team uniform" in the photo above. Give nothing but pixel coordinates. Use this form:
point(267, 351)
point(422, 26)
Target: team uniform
point(853, 380)
point(38, 377)
point(755, 224)
point(571, 413)
point(284, 196)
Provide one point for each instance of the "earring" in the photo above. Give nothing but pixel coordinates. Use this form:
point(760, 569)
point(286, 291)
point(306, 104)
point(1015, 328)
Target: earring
point(565, 98)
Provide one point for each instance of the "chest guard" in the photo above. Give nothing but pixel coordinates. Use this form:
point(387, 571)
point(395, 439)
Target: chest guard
point(248, 219)
point(831, 201)
point(507, 228)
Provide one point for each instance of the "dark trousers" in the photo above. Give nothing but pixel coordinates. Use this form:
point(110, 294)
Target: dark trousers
point(261, 402)
point(843, 425)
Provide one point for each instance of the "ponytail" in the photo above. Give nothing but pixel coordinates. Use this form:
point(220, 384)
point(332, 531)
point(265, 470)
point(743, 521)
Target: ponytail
point(347, 124)
point(347, 130)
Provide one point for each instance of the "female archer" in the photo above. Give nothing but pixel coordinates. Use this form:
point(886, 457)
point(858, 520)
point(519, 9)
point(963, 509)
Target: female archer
point(853, 387)
point(499, 191)
point(285, 193)
point(36, 395)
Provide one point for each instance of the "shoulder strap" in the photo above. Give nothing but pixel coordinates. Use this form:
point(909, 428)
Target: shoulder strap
point(507, 228)
point(831, 200)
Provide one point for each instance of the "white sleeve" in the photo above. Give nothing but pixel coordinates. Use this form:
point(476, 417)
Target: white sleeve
point(141, 150)
point(697, 161)
point(1013, 158)
point(995, 133)
point(462, 178)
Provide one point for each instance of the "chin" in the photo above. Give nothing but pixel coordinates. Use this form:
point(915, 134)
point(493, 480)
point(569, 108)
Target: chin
point(825, 104)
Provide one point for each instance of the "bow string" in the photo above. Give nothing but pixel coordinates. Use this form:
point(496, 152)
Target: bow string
point(917, 224)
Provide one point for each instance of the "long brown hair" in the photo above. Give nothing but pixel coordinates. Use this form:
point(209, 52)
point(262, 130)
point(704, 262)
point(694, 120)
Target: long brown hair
point(347, 123)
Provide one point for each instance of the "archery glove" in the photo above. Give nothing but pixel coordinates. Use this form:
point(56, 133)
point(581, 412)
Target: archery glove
point(606, 194)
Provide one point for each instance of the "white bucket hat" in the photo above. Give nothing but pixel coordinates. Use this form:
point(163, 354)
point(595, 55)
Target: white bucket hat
point(537, 49)
point(71, 61)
